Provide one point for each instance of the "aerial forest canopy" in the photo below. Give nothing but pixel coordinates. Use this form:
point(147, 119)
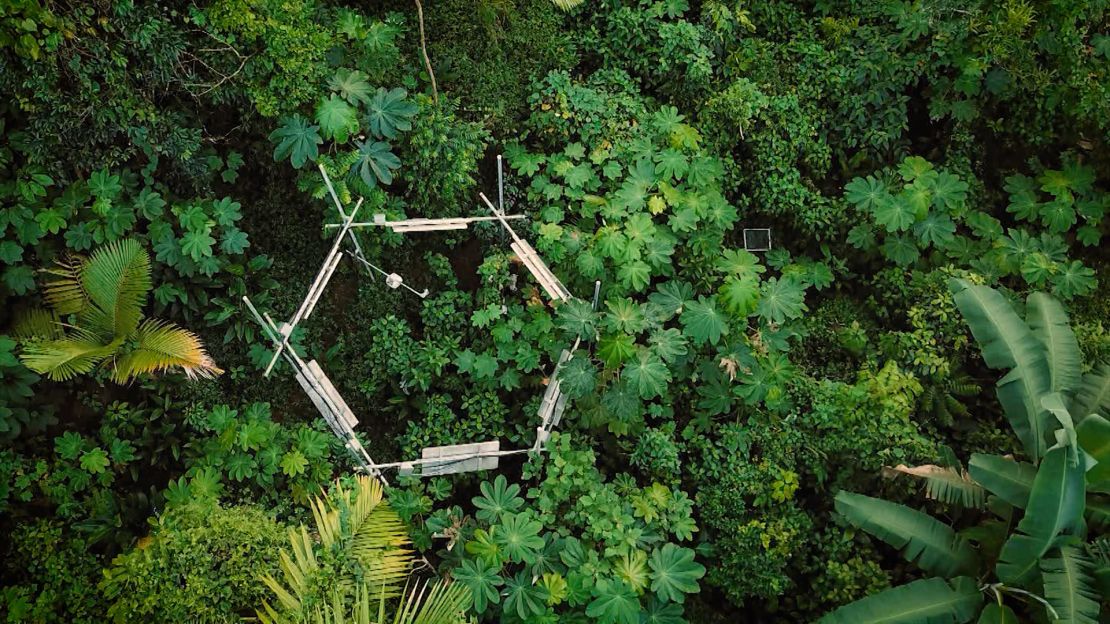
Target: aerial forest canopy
point(545, 311)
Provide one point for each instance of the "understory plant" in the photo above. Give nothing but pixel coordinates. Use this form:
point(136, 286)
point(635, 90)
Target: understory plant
point(1032, 549)
point(105, 294)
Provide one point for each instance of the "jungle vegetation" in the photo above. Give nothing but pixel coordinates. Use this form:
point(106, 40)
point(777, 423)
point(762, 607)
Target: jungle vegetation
point(898, 413)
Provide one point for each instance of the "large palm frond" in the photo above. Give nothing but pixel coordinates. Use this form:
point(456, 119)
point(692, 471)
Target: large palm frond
point(37, 324)
point(66, 292)
point(441, 603)
point(162, 346)
point(363, 530)
point(117, 281)
point(65, 358)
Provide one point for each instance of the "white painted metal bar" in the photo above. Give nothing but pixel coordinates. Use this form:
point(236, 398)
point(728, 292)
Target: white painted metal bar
point(344, 411)
point(539, 270)
point(415, 225)
point(320, 291)
point(314, 289)
point(499, 216)
point(339, 206)
point(324, 397)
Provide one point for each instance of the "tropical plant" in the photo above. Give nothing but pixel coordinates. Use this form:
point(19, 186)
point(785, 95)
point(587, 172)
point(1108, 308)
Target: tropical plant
point(1053, 493)
point(105, 293)
point(357, 559)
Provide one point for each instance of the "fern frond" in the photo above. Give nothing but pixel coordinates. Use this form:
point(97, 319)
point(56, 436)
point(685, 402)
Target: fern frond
point(66, 357)
point(66, 292)
point(946, 485)
point(37, 324)
point(117, 280)
point(162, 346)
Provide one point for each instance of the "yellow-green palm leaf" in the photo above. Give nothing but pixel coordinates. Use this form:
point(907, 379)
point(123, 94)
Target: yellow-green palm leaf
point(37, 324)
point(162, 346)
point(66, 292)
point(65, 358)
point(367, 534)
point(117, 280)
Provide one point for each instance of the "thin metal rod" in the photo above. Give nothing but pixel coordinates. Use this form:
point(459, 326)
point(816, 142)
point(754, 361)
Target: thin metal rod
point(499, 216)
point(338, 205)
point(314, 289)
point(369, 265)
point(323, 285)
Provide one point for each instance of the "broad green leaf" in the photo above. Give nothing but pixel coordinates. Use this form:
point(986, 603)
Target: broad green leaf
point(995, 613)
point(1093, 394)
point(895, 214)
point(674, 573)
point(925, 601)
point(293, 463)
point(498, 498)
point(523, 596)
point(924, 540)
point(519, 537)
point(296, 140)
point(483, 581)
point(1005, 478)
point(1072, 279)
point(867, 193)
point(615, 349)
point(624, 315)
point(614, 603)
point(948, 191)
point(353, 85)
point(1069, 588)
point(901, 250)
point(1007, 343)
point(647, 374)
point(703, 322)
point(781, 300)
point(740, 295)
point(1050, 324)
point(914, 167)
point(577, 378)
point(635, 275)
point(633, 569)
point(577, 318)
point(95, 461)
point(391, 112)
point(1094, 437)
point(197, 244)
point(375, 163)
point(936, 229)
point(338, 120)
point(671, 298)
point(1055, 507)
point(669, 344)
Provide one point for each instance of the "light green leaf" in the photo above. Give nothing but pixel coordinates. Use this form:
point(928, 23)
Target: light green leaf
point(338, 119)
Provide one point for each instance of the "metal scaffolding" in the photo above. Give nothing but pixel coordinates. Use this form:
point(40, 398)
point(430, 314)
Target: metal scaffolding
point(437, 460)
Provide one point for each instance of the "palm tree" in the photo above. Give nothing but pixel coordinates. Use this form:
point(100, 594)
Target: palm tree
point(354, 567)
point(106, 293)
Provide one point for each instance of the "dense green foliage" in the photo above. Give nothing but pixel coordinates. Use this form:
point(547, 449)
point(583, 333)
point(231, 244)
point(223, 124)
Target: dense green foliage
point(898, 413)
